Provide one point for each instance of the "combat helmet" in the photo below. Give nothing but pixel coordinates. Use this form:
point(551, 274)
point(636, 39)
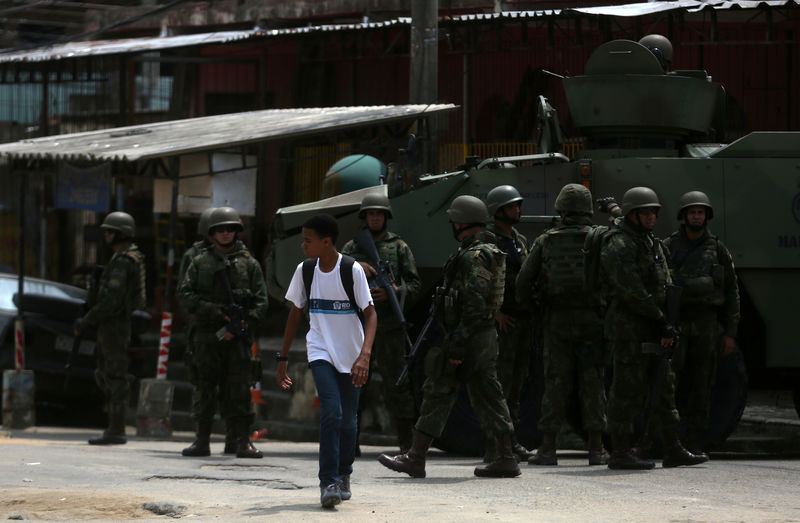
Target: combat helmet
point(501, 196)
point(377, 202)
point(121, 222)
point(660, 46)
point(639, 197)
point(693, 198)
point(224, 216)
point(468, 209)
point(202, 223)
point(576, 199)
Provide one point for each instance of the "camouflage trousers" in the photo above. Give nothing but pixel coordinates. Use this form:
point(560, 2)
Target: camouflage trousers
point(478, 374)
point(389, 359)
point(111, 374)
point(513, 362)
point(573, 355)
point(223, 378)
point(695, 364)
point(632, 385)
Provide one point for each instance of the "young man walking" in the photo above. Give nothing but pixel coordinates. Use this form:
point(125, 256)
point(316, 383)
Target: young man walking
point(338, 346)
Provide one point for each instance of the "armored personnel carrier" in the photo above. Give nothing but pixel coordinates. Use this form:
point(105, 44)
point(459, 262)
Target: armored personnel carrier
point(643, 126)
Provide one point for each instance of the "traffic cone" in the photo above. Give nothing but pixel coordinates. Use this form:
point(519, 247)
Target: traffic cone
point(255, 390)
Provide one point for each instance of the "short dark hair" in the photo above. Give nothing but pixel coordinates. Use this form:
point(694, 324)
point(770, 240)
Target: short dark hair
point(324, 225)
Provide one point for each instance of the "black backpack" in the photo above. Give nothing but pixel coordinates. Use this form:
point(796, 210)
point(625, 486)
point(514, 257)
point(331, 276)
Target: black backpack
point(345, 273)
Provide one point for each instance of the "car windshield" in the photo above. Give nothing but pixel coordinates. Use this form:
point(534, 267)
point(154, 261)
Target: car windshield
point(10, 285)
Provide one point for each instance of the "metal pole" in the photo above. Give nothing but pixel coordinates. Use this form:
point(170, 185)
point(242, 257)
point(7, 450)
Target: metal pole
point(424, 75)
point(19, 323)
point(166, 315)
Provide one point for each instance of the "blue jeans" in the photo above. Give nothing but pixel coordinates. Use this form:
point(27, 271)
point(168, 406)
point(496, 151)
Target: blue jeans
point(338, 399)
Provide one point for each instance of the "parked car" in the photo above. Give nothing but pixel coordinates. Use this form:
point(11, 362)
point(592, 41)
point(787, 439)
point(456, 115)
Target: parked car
point(50, 310)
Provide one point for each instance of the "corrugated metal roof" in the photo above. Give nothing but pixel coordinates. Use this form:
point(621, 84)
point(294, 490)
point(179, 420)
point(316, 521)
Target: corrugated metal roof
point(137, 45)
point(141, 142)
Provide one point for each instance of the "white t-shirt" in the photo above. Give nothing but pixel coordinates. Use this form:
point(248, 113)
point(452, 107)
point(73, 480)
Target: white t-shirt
point(336, 334)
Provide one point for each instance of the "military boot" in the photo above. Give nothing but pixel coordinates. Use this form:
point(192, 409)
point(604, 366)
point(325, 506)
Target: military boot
point(597, 454)
point(490, 450)
point(404, 433)
point(230, 439)
point(692, 444)
point(413, 461)
point(115, 433)
point(505, 466)
point(244, 447)
point(200, 447)
point(675, 455)
point(546, 453)
point(520, 453)
point(622, 456)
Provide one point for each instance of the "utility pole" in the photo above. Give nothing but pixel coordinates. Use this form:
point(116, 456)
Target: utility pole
point(424, 77)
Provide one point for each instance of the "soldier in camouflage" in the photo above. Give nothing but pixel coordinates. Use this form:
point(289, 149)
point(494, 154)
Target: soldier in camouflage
point(635, 272)
point(703, 267)
point(121, 289)
point(223, 362)
point(472, 292)
point(552, 280)
point(389, 348)
point(514, 327)
point(204, 242)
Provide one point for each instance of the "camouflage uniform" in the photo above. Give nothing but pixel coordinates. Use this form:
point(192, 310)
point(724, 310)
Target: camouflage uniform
point(195, 250)
point(514, 345)
point(474, 279)
point(704, 269)
point(223, 366)
point(573, 326)
point(121, 289)
point(389, 349)
point(635, 271)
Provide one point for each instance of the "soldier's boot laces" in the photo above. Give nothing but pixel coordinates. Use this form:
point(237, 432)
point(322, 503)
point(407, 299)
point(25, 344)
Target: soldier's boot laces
point(244, 447)
point(623, 458)
point(505, 466)
point(230, 439)
point(200, 447)
point(546, 453)
point(115, 433)
point(676, 455)
point(413, 461)
point(597, 454)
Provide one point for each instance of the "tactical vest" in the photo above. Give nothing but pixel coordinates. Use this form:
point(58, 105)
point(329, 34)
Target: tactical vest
point(563, 266)
point(446, 298)
point(699, 271)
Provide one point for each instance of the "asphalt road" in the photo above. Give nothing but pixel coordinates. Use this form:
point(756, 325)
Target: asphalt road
point(51, 473)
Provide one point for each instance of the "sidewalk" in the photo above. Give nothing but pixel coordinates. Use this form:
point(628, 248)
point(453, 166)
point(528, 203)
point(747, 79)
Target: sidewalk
point(769, 426)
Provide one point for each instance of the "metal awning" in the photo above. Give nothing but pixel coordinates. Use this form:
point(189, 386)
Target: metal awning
point(166, 139)
point(139, 45)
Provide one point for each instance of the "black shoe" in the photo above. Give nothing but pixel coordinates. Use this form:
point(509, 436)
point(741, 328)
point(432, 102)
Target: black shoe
point(199, 448)
point(330, 496)
point(677, 456)
point(344, 487)
point(108, 439)
point(627, 460)
point(544, 456)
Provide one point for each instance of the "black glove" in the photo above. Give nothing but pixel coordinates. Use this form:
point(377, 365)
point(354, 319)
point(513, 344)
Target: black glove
point(605, 203)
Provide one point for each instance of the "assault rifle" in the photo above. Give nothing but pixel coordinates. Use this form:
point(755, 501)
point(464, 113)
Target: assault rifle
point(673, 302)
point(415, 347)
point(236, 314)
point(94, 282)
point(383, 279)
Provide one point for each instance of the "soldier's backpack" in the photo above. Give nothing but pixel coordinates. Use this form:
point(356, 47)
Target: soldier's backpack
point(346, 275)
point(595, 239)
point(564, 273)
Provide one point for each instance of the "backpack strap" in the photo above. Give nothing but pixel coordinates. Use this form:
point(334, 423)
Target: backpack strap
point(346, 274)
point(308, 276)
